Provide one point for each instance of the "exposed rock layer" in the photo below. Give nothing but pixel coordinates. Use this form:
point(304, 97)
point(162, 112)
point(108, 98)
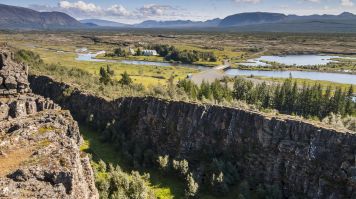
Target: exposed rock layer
point(13, 76)
point(39, 143)
point(302, 159)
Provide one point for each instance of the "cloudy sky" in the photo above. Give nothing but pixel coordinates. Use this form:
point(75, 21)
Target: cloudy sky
point(133, 11)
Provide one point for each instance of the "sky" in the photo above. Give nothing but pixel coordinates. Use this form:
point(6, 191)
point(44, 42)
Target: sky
point(135, 11)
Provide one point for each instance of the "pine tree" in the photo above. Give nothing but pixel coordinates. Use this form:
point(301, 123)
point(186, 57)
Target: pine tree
point(125, 79)
point(349, 105)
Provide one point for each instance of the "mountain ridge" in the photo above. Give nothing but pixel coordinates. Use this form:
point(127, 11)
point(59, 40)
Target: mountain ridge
point(13, 17)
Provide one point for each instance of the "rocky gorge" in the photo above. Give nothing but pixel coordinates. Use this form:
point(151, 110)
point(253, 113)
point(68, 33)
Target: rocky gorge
point(302, 159)
point(39, 142)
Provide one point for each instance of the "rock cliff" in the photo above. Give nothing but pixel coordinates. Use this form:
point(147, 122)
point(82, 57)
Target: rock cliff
point(302, 159)
point(39, 142)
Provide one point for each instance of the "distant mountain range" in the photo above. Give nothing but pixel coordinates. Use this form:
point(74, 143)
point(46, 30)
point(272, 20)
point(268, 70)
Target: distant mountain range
point(103, 23)
point(257, 21)
point(12, 17)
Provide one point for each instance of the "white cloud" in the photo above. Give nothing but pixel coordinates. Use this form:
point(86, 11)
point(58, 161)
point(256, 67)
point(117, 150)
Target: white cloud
point(82, 9)
point(79, 5)
point(154, 10)
point(118, 10)
point(347, 3)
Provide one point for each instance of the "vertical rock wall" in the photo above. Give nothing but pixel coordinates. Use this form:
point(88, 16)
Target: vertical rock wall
point(304, 160)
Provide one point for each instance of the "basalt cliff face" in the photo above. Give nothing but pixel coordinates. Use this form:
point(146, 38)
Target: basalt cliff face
point(39, 143)
point(302, 159)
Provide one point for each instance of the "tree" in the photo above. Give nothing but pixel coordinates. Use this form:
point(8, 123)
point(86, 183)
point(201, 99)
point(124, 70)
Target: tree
point(125, 79)
point(106, 75)
point(244, 189)
point(138, 52)
point(182, 167)
point(192, 187)
point(120, 52)
point(350, 105)
point(163, 162)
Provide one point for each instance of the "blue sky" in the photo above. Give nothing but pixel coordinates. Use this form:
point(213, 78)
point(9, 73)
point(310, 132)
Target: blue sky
point(133, 11)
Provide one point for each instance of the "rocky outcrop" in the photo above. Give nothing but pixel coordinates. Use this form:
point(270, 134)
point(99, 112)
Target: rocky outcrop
point(303, 159)
point(13, 76)
point(39, 143)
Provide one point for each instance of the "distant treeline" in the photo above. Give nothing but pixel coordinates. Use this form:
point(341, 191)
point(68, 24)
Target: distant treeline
point(288, 98)
point(171, 53)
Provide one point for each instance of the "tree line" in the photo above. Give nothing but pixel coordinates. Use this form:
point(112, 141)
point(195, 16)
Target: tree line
point(171, 53)
point(289, 97)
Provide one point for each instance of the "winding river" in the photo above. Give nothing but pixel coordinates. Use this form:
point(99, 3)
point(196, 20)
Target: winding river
point(302, 59)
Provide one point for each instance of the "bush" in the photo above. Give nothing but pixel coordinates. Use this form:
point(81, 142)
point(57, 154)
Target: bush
point(116, 184)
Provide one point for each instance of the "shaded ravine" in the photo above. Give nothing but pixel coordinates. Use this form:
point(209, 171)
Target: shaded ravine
point(301, 158)
point(163, 186)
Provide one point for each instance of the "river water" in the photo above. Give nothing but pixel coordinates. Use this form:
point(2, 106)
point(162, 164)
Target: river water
point(290, 60)
point(91, 57)
point(293, 59)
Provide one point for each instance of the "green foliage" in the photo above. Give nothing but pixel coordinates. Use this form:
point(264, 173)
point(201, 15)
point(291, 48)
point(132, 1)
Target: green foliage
point(170, 53)
point(244, 189)
point(113, 183)
point(118, 52)
point(106, 75)
point(125, 79)
point(288, 98)
point(29, 57)
point(273, 192)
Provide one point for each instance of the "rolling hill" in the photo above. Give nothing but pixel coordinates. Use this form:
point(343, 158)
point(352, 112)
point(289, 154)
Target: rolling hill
point(12, 17)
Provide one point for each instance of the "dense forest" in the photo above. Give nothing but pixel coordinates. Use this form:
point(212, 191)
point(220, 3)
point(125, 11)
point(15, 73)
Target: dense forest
point(289, 97)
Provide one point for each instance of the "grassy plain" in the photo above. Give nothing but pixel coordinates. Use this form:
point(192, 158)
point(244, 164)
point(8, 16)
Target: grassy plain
point(60, 50)
point(59, 47)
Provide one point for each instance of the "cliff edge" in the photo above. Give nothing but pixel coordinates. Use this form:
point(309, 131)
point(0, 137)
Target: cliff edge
point(300, 159)
point(39, 142)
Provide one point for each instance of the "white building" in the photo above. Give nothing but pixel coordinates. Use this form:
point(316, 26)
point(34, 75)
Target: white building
point(132, 51)
point(149, 53)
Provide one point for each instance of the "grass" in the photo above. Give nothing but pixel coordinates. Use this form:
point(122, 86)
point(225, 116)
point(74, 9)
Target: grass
point(62, 53)
point(146, 75)
point(164, 187)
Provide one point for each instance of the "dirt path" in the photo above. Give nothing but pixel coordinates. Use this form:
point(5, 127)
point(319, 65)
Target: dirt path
point(13, 159)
